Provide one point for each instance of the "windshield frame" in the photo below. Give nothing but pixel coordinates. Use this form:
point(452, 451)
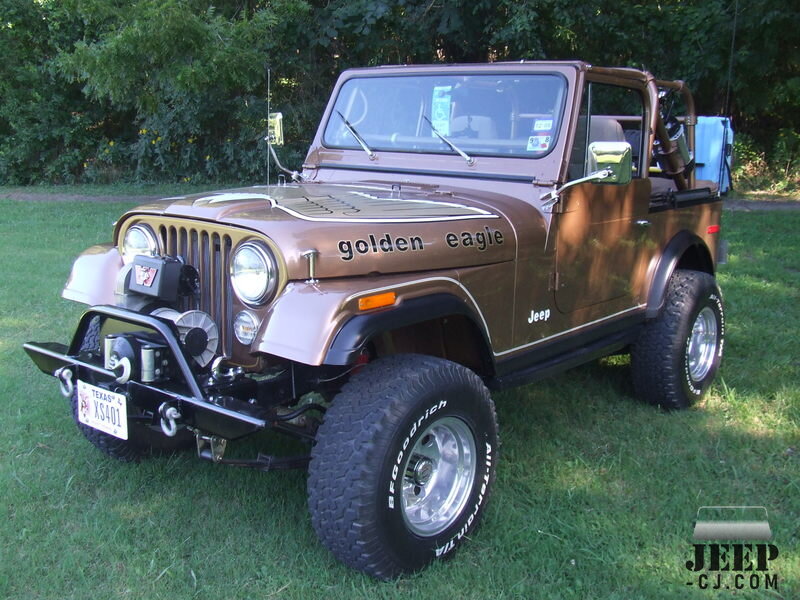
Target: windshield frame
point(560, 117)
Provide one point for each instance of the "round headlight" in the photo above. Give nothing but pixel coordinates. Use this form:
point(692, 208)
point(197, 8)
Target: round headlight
point(253, 273)
point(139, 239)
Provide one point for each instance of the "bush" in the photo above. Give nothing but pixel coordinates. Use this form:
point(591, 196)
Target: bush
point(774, 171)
point(179, 86)
point(786, 156)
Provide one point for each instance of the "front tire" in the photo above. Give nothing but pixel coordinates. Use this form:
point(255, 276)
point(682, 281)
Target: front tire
point(403, 464)
point(676, 356)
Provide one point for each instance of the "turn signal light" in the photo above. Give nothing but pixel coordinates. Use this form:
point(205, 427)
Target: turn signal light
point(377, 301)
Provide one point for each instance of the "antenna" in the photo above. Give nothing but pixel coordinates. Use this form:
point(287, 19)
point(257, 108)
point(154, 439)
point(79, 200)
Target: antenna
point(269, 95)
point(730, 60)
point(275, 129)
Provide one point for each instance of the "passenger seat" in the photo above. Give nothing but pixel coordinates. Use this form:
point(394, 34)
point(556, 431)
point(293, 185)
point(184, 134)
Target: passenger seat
point(605, 129)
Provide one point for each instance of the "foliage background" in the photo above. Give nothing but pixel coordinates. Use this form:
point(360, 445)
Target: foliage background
point(174, 90)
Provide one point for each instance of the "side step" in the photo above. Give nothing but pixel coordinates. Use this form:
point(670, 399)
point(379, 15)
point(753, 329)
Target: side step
point(561, 362)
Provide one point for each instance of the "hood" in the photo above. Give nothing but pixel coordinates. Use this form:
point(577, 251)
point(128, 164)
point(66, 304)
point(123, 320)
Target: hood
point(356, 229)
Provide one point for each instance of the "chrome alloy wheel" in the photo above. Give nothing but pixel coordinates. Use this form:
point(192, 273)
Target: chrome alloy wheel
point(438, 476)
point(702, 345)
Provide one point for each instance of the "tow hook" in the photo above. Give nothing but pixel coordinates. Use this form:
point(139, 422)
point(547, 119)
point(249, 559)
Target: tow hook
point(169, 416)
point(211, 447)
point(218, 373)
point(64, 376)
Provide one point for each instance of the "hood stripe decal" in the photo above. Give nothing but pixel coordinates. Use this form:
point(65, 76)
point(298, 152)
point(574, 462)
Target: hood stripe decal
point(319, 209)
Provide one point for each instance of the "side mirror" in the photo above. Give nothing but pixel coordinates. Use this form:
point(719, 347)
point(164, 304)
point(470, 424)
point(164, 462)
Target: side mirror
point(275, 129)
point(275, 138)
point(614, 159)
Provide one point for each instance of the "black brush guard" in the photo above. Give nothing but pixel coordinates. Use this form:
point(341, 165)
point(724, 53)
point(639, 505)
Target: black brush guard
point(199, 408)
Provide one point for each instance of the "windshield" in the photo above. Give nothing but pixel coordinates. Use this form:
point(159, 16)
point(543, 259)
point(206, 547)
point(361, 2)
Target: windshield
point(481, 115)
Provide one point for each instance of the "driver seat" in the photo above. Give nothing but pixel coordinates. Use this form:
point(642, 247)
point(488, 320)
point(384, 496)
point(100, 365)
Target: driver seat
point(473, 126)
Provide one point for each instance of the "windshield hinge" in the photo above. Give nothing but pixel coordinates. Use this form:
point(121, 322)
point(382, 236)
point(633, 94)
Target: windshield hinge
point(552, 204)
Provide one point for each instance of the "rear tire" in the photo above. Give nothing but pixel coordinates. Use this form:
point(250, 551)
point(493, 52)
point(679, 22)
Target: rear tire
point(403, 464)
point(143, 439)
point(676, 356)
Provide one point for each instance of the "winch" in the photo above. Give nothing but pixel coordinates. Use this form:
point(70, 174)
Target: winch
point(198, 332)
point(142, 356)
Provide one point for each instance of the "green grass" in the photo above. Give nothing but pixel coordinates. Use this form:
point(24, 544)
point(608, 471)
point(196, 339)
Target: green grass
point(595, 495)
point(115, 190)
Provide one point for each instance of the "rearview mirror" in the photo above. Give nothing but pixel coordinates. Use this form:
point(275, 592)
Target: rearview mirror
point(275, 129)
point(613, 158)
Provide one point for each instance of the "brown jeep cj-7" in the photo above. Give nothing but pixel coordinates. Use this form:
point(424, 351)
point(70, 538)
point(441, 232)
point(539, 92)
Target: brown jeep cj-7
point(454, 230)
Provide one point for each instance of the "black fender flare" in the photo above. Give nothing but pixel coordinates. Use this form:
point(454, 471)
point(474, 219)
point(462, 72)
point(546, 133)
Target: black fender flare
point(677, 247)
point(351, 338)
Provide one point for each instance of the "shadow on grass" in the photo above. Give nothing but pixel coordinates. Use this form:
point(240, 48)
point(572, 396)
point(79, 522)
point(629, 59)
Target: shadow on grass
point(598, 494)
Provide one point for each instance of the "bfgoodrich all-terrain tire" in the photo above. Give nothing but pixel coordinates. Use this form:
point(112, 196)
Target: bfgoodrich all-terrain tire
point(676, 356)
point(403, 464)
point(143, 439)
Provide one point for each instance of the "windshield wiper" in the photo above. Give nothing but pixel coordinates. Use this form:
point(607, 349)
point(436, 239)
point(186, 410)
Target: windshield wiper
point(359, 139)
point(453, 147)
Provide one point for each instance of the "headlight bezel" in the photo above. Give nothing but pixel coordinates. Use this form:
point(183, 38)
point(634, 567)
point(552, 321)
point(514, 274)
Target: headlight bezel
point(270, 264)
point(151, 239)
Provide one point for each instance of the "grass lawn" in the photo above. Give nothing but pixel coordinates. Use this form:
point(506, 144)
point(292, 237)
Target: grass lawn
point(595, 495)
point(115, 190)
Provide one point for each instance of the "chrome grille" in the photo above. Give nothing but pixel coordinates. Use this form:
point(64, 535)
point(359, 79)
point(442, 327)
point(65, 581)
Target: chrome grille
point(208, 252)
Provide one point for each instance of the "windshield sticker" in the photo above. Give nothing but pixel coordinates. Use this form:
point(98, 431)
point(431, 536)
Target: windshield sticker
point(543, 125)
point(440, 109)
point(538, 143)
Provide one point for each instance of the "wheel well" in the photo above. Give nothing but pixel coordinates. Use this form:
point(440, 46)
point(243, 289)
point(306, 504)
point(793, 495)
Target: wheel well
point(685, 251)
point(452, 337)
point(438, 325)
point(696, 258)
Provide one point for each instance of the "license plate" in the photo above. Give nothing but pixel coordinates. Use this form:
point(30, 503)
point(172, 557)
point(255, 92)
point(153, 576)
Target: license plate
point(103, 410)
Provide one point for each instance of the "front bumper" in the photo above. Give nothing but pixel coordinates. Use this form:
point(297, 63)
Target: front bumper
point(205, 405)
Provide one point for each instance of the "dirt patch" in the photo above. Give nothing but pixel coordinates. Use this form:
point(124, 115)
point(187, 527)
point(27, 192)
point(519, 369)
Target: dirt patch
point(751, 205)
point(768, 203)
point(28, 197)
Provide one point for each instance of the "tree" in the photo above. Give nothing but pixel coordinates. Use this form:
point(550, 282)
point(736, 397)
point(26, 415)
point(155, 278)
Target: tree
point(176, 89)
